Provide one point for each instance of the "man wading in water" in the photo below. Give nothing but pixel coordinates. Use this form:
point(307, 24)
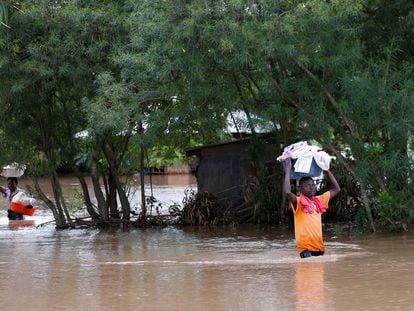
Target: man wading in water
point(9, 192)
point(307, 210)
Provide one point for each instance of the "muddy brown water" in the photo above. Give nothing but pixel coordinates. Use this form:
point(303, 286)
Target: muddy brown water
point(243, 268)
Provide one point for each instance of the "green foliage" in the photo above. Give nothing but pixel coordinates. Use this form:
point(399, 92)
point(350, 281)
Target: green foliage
point(411, 213)
point(49, 67)
point(4, 15)
point(7, 9)
point(393, 209)
point(385, 202)
point(76, 203)
point(164, 76)
point(361, 222)
point(166, 155)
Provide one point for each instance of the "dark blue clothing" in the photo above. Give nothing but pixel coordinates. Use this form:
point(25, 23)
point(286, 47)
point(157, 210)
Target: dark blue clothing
point(14, 216)
point(306, 254)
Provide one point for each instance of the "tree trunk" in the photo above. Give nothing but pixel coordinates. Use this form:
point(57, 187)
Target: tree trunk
point(49, 203)
point(126, 207)
point(142, 180)
point(102, 207)
point(60, 201)
point(60, 214)
point(113, 203)
point(113, 168)
point(86, 197)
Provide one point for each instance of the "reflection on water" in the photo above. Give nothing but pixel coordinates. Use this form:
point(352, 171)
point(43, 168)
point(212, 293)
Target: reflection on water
point(18, 224)
point(311, 293)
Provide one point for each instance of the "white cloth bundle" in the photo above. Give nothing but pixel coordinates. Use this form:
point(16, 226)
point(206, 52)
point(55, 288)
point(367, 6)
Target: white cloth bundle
point(304, 154)
point(24, 198)
point(13, 170)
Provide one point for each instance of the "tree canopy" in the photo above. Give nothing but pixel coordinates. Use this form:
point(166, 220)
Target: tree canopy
point(142, 75)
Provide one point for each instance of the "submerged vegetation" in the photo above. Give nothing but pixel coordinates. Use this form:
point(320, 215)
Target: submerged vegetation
point(204, 208)
point(146, 78)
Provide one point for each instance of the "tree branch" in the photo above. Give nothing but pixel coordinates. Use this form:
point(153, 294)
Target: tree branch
point(331, 99)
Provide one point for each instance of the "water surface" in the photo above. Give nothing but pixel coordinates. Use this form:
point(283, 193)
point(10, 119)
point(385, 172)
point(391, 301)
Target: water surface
point(242, 268)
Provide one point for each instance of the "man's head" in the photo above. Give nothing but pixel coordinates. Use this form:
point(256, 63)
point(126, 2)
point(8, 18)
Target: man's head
point(12, 183)
point(307, 186)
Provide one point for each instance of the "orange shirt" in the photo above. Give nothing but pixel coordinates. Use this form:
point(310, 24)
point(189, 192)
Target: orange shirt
point(308, 226)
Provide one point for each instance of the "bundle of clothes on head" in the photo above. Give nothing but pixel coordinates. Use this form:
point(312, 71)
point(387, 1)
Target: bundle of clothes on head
point(307, 160)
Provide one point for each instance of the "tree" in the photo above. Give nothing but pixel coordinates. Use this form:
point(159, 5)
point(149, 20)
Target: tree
point(292, 63)
point(50, 61)
point(145, 73)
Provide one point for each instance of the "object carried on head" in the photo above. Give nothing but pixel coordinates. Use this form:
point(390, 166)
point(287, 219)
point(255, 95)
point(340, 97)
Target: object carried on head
point(13, 170)
point(22, 203)
point(307, 160)
point(313, 171)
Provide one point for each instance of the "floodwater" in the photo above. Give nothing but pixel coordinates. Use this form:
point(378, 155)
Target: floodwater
point(168, 190)
point(241, 268)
